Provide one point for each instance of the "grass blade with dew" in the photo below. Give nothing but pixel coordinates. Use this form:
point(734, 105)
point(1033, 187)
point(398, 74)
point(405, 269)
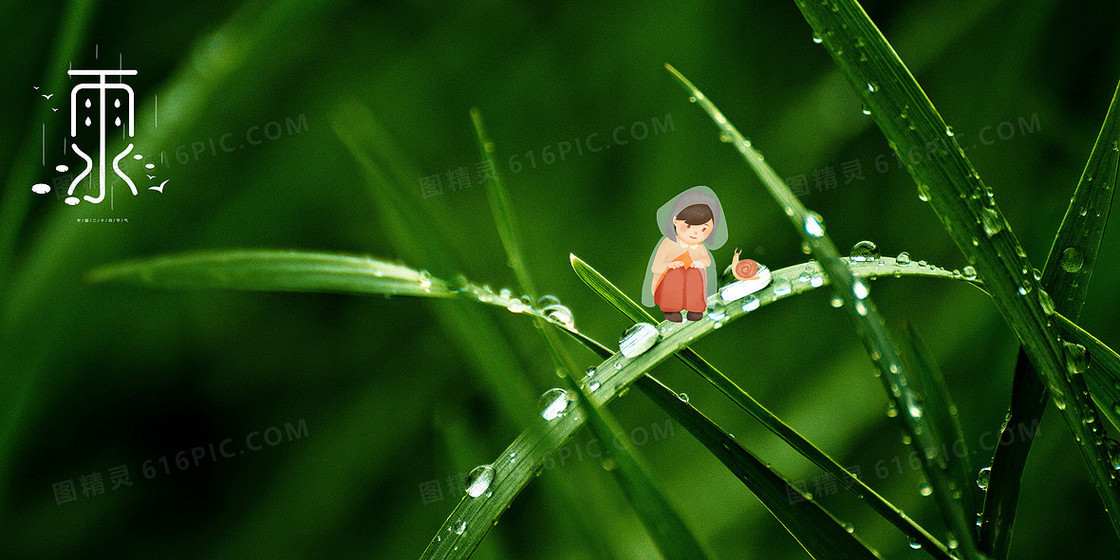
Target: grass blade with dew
point(669, 532)
point(942, 415)
point(608, 291)
point(814, 528)
point(855, 294)
point(523, 458)
point(1100, 366)
point(965, 205)
point(417, 233)
point(1065, 277)
point(274, 271)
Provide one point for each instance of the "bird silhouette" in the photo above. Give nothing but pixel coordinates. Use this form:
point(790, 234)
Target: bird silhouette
point(48, 95)
point(150, 177)
point(55, 109)
point(36, 88)
point(160, 187)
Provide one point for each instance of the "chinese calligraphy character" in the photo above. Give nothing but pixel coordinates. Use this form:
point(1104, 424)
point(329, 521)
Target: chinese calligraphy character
point(64, 492)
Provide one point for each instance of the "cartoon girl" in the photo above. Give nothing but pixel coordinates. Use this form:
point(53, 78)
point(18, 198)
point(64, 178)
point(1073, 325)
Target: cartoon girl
point(679, 276)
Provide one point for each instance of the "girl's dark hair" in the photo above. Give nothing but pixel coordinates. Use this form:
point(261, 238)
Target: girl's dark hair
point(696, 214)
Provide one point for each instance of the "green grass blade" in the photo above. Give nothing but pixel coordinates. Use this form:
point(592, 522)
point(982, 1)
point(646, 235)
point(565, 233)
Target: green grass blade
point(274, 271)
point(1066, 275)
point(669, 532)
point(1102, 375)
point(893, 371)
point(608, 291)
point(967, 208)
point(942, 415)
point(673, 537)
point(814, 528)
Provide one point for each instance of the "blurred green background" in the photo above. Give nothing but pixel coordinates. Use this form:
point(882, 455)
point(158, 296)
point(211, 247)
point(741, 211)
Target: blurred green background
point(391, 396)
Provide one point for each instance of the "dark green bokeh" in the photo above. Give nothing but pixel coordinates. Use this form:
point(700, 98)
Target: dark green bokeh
point(95, 377)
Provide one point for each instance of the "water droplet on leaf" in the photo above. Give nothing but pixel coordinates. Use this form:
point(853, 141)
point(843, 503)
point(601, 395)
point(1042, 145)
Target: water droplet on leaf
point(637, 339)
point(555, 403)
point(478, 480)
point(864, 251)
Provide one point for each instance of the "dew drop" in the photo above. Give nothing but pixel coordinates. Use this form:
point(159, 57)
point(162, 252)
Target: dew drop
point(859, 288)
point(593, 386)
point(817, 39)
point(89, 104)
point(71, 200)
point(866, 112)
point(925, 489)
point(692, 99)
point(479, 479)
point(903, 258)
point(1072, 259)
point(458, 283)
point(923, 192)
point(782, 287)
point(993, 224)
point(555, 403)
point(969, 273)
point(751, 303)
point(983, 477)
point(725, 137)
point(425, 279)
point(117, 122)
point(1077, 359)
point(914, 544)
point(848, 527)
point(683, 397)
point(149, 166)
point(40, 188)
point(872, 87)
point(814, 225)
point(560, 314)
point(948, 131)
point(637, 339)
point(864, 251)
point(892, 409)
point(61, 168)
point(458, 528)
point(1047, 302)
point(88, 121)
point(137, 157)
point(836, 301)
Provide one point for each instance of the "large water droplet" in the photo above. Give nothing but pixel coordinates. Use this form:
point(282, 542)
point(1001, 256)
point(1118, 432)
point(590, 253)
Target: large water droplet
point(892, 409)
point(948, 131)
point(637, 339)
point(993, 224)
point(683, 397)
point(872, 87)
point(864, 251)
point(751, 303)
point(866, 112)
point(717, 311)
point(925, 489)
point(479, 479)
point(1077, 359)
point(817, 39)
point(782, 287)
point(923, 192)
point(814, 224)
point(458, 528)
point(1072, 259)
point(1047, 302)
point(903, 258)
point(561, 314)
point(836, 301)
point(425, 279)
point(914, 544)
point(969, 273)
point(859, 289)
point(983, 477)
point(515, 305)
point(555, 403)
